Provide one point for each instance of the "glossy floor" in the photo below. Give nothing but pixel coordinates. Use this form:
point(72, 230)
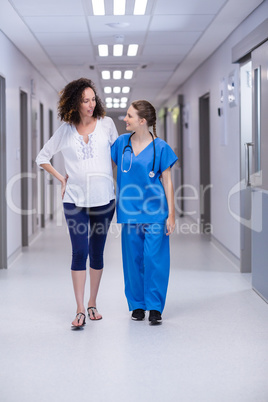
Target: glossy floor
point(212, 346)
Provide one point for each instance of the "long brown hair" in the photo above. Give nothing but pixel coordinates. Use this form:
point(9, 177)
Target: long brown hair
point(146, 111)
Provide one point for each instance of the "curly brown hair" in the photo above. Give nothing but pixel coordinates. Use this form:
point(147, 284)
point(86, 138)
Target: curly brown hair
point(71, 97)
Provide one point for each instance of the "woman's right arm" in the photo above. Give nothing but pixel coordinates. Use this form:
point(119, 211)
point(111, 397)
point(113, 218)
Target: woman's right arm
point(50, 169)
point(53, 146)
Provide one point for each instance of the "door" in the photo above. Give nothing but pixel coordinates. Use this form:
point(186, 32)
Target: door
point(246, 164)
point(41, 171)
point(24, 168)
point(260, 169)
point(34, 129)
point(204, 149)
point(3, 206)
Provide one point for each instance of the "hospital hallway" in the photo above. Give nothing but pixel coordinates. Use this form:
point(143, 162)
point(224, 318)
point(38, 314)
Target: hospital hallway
point(212, 345)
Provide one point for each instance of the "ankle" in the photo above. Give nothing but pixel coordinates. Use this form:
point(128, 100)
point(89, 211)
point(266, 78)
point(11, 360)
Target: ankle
point(80, 309)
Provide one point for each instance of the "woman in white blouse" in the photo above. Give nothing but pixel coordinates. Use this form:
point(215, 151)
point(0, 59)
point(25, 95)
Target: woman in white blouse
point(84, 139)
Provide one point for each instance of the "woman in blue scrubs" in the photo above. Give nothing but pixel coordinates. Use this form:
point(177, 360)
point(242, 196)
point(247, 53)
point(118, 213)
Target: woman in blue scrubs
point(145, 208)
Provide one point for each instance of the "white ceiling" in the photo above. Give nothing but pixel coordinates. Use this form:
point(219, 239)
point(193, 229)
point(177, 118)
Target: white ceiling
point(60, 38)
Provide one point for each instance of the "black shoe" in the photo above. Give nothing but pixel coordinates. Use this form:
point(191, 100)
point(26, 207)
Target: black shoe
point(155, 317)
point(138, 314)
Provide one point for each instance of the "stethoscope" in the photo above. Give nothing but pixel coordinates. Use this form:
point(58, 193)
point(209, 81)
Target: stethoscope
point(152, 173)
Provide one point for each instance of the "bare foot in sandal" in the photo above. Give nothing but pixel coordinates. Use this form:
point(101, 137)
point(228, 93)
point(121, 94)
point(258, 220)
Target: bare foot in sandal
point(93, 313)
point(80, 320)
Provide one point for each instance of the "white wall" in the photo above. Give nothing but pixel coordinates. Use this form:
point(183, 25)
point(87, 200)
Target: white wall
point(225, 158)
point(19, 72)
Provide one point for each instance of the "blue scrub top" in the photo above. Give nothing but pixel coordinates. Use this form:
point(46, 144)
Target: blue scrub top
point(140, 198)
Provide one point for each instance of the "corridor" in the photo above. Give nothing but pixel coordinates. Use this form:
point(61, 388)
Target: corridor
point(212, 346)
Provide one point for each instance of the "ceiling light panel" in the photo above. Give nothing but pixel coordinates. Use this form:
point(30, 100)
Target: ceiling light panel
point(119, 7)
point(132, 50)
point(128, 74)
point(106, 75)
point(117, 75)
point(140, 7)
point(118, 50)
point(98, 7)
point(103, 50)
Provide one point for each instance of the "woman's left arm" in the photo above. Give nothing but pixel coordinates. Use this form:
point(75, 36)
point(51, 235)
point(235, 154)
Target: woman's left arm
point(169, 191)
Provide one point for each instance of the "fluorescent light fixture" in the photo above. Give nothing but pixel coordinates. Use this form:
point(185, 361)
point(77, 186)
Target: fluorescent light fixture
point(116, 100)
point(124, 99)
point(109, 105)
point(118, 50)
point(107, 90)
point(123, 105)
point(116, 105)
point(132, 50)
point(119, 7)
point(98, 7)
point(117, 74)
point(125, 90)
point(108, 100)
point(140, 7)
point(103, 50)
point(128, 74)
point(105, 75)
point(116, 90)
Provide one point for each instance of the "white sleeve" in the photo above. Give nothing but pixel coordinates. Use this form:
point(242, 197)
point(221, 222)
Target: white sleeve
point(113, 133)
point(110, 129)
point(52, 146)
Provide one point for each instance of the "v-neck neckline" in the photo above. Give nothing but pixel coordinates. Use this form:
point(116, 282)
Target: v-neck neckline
point(143, 148)
point(81, 137)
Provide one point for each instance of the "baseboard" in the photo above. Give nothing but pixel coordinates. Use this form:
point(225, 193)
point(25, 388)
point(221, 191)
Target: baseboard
point(227, 253)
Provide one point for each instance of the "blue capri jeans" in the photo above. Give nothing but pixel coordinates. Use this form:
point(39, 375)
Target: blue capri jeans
point(88, 228)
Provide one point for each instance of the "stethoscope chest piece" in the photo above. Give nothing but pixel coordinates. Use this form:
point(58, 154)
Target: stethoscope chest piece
point(151, 174)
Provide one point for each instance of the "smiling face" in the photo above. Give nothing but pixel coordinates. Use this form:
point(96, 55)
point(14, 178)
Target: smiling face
point(88, 103)
point(132, 119)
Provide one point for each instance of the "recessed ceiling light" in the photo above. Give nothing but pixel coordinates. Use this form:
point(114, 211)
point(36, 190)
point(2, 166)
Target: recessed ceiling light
point(108, 100)
point(119, 7)
point(118, 50)
point(125, 90)
point(140, 7)
point(132, 50)
point(105, 75)
point(117, 74)
point(107, 90)
point(123, 105)
point(116, 90)
point(128, 74)
point(109, 105)
point(103, 50)
point(124, 99)
point(98, 7)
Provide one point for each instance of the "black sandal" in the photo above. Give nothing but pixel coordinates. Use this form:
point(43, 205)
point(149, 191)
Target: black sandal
point(93, 313)
point(79, 317)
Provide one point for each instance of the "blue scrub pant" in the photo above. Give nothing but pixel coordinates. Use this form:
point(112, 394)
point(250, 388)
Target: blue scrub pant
point(146, 264)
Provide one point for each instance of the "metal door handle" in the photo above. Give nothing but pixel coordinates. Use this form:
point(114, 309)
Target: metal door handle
point(247, 167)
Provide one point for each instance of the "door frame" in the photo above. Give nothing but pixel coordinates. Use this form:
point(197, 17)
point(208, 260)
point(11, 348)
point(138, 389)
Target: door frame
point(204, 163)
point(3, 180)
point(24, 167)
